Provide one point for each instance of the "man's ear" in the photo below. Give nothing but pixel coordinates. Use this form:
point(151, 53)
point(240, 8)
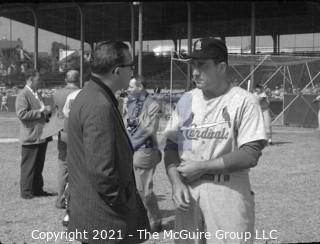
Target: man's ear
point(223, 67)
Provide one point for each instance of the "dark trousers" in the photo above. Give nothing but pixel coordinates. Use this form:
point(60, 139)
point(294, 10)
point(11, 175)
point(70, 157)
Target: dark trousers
point(32, 162)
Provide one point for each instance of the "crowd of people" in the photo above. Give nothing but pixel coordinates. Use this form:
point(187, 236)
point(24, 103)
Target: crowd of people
point(107, 158)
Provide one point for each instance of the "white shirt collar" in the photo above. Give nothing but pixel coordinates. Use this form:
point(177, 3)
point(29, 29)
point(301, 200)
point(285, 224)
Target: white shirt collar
point(33, 92)
point(36, 96)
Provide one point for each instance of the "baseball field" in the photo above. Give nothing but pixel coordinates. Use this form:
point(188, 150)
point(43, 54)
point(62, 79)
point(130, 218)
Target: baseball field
point(286, 183)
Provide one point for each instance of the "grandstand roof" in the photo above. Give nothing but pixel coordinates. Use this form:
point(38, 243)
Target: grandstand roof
point(269, 60)
point(168, 20)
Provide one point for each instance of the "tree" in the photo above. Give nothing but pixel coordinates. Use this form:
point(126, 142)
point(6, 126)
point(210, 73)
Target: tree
point(45, 64)
point(9, 57)
point(55, 47)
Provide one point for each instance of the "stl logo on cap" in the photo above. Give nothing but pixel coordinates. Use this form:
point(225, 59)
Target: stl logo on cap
point(197, 45)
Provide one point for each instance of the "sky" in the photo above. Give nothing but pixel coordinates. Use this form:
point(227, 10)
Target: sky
point(26, 34)
point(307, 42)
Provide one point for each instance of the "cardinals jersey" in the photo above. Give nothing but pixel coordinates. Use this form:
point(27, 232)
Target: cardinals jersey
point(208, 129)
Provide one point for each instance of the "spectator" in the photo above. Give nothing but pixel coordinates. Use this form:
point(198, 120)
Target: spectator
point(142, 126)
point(33, 114)
point(59, 99)
point(317, 100)
point(264, 104)
point(4, 100)
point(66, 110)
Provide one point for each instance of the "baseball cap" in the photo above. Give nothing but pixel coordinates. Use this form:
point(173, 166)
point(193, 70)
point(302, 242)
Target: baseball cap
point(209, 48)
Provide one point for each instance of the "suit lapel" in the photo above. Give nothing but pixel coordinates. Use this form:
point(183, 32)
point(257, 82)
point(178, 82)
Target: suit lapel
point(34, 102)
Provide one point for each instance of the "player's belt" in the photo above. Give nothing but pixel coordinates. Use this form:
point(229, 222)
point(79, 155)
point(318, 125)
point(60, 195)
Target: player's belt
point(216, 177)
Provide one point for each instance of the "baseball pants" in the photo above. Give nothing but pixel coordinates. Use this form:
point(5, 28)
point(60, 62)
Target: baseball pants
point(219, 209)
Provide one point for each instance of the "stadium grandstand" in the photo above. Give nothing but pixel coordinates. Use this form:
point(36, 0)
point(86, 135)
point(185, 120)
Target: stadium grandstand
point(274, 43)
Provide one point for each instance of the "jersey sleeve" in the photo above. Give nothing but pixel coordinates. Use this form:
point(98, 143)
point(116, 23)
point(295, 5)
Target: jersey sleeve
point(172, 128)
point(251, 124)
point(177, 120)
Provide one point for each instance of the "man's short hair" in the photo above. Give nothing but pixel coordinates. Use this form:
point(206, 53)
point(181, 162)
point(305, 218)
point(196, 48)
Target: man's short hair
point(31, 73)
point(72, 76)
point(140, 81)
point(107, 55)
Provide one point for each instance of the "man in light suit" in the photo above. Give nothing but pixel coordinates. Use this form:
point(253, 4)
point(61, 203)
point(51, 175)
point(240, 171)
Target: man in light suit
point(33, 114)
point(59, 99)
point(103, 195)
point(142, 124)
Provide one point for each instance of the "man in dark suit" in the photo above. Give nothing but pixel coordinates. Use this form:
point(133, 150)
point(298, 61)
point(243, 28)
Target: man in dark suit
point(59, 99)
point(33, 114)
point(104, 202)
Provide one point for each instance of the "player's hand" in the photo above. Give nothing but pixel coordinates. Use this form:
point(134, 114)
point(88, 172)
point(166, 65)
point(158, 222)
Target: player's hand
point(181, 196)
point(191, 171)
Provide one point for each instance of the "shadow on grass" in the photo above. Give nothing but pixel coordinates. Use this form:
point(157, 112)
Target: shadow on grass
point(275, 143)
point(48, 194)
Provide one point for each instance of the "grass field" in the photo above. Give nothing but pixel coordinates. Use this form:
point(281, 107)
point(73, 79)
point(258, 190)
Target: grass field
point(286, 183)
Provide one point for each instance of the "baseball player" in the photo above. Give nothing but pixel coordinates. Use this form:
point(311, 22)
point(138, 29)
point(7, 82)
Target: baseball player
point(214, 137)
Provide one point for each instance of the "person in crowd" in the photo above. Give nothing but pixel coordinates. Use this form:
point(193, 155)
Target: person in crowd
point(101, 183)
point(277, 92)
point(264, 103)
point(235, 82)
point(214, 137)
point(122, 97)
point(157, 90)
point(32, 114)
point(66, 110)
point(317, 100)
point(59, 99)
point(142, 125)
point(4, 101)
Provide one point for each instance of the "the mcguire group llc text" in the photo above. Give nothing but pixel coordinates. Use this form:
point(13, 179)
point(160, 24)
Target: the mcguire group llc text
point(167, 234)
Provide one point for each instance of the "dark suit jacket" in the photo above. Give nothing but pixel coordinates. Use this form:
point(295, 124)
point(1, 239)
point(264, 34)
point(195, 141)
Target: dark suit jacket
point(31, 120)
point(101, 180)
